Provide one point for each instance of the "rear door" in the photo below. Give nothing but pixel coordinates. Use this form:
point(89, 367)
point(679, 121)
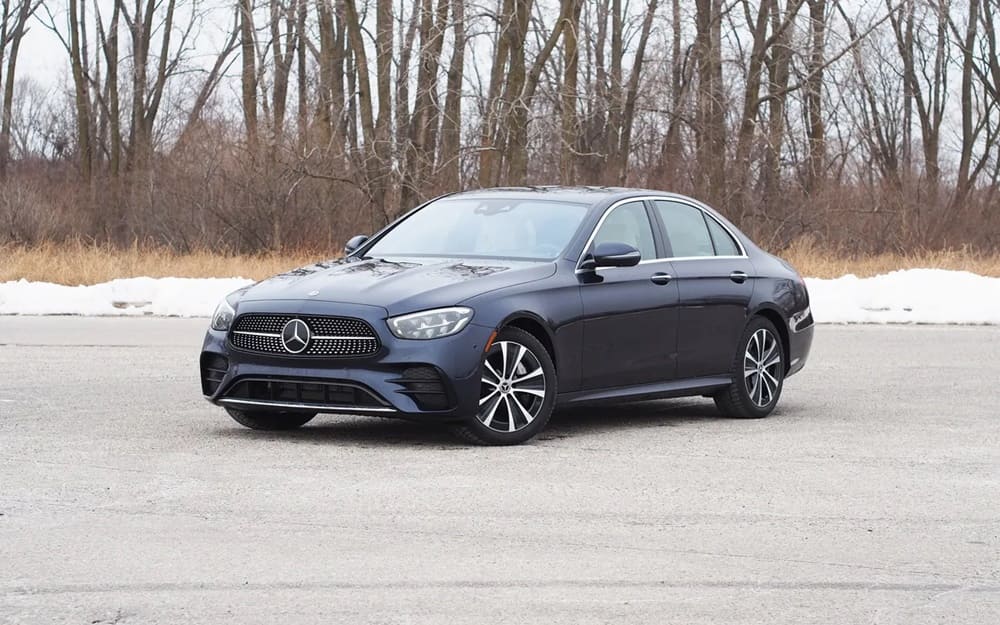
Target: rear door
point(715, 282)
point(630, 313)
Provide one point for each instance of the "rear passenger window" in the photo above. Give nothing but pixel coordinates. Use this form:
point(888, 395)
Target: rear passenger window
point(686, 230)
point(629, 224)
point(724, 244)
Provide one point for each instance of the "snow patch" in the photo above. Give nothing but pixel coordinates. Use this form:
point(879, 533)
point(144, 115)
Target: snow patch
point(174, 297)
point(908, 296)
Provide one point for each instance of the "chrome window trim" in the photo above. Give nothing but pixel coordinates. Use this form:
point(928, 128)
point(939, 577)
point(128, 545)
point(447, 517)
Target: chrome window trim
point(600, 222)
point(682, 258)
point(707, 215)
point(653, 198)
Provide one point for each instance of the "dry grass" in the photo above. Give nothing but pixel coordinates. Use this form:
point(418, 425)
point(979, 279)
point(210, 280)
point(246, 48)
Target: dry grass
point(81, 263)
point(814, 262)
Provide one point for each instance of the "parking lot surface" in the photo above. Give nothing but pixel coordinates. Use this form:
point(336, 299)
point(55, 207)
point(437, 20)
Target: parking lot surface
point(871, 495)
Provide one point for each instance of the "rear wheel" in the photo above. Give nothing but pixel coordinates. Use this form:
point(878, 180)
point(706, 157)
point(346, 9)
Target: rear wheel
point(758, 373)
point(266, 420)
point(517, 391)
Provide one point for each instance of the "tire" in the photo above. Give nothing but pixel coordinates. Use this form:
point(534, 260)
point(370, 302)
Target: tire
point(517, 392)
point(262, 420)
point(755, 389)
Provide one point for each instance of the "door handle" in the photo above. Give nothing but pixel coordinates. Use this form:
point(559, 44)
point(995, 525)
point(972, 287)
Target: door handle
point(661, 278)
point(739, 277)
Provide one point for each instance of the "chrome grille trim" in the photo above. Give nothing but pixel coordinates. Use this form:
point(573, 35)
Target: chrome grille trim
point(332, 337)
point(314, 338)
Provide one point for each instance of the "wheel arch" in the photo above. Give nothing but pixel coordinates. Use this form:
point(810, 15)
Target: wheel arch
point(535, 326)
point(772, 314)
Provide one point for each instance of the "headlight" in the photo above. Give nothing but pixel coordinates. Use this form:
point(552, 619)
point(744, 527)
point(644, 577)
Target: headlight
point(431, 324)
point(223, 316)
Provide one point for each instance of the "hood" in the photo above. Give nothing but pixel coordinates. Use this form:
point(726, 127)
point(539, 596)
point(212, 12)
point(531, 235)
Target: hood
point(399, 285)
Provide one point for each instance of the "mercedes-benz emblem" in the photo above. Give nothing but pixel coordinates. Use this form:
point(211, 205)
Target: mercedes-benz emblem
point(295, 336)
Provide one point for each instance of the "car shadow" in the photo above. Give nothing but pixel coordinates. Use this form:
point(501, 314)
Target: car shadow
point(566, 423)
point(355, 431)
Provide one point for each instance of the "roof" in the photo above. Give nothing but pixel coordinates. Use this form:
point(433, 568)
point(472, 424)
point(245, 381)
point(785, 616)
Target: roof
point(581, 194)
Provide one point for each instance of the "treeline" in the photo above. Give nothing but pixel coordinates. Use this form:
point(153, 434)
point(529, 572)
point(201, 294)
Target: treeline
point(271, 124)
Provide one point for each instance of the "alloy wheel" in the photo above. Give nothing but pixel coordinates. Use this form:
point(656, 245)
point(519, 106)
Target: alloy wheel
point(762, 367)
point(512, 391)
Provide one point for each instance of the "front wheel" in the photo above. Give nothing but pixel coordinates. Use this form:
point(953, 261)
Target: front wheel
point(758, 373)
point(517, 391)
point(266, 420)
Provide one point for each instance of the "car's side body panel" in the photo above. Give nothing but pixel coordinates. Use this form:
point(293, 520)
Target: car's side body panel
point(713, 312)
point(629, 327)
point(653, 390)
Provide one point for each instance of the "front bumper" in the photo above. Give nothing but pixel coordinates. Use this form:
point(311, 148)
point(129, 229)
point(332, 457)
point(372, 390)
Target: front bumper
point(429, 380)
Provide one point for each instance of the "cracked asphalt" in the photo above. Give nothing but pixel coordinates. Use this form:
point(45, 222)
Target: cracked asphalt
point(872, 495)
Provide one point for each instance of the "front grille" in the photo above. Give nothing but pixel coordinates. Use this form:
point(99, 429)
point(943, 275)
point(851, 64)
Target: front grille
point(424, 384)
point(213, 370)
point(308, 393)
point(337, 337)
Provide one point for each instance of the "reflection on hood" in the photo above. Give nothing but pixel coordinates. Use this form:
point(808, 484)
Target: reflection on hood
point(399, 283)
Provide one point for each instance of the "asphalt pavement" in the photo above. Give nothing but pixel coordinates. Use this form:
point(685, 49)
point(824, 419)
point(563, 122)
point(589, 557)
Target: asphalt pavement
point(872, 495)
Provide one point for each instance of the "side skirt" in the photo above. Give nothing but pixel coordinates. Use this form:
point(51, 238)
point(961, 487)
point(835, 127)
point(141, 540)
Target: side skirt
point(656, 390)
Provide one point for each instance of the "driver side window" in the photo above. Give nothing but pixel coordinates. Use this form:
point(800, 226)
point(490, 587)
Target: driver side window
point(629, 224)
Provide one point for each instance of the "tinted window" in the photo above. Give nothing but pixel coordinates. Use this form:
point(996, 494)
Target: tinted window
point(628, 223)
point(724, 244)
point(484, 227)
point(686, 229)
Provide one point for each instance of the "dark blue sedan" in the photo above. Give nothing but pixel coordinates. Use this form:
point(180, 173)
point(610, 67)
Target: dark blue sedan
point(487, 309)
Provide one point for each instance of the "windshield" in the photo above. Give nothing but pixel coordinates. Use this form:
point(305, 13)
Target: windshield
point(482, 227)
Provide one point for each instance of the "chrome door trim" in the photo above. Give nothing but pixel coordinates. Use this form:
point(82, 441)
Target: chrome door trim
point(651, 261)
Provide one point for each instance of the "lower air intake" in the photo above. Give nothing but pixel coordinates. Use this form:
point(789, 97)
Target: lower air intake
point(424, 384)
point(303, 393)
point(213, 370)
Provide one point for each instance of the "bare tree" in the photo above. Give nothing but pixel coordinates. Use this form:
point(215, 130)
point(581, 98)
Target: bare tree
point(451, 120)
point(248, 76)
point(710, 125)
point(816, 129)
point(925, 78)
point(422, 140)
point(569, 121)
point(13, 26)
point(376, 148)
point(864, 125)
point(219, 67)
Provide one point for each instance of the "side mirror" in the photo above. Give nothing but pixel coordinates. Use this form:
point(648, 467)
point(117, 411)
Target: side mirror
point(354, 243)
point(613, 254)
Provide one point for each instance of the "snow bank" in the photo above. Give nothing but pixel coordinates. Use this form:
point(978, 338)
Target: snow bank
point(910, 296)
point(178, 297)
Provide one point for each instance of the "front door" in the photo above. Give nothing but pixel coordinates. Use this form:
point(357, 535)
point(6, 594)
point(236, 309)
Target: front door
point(630, 313)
